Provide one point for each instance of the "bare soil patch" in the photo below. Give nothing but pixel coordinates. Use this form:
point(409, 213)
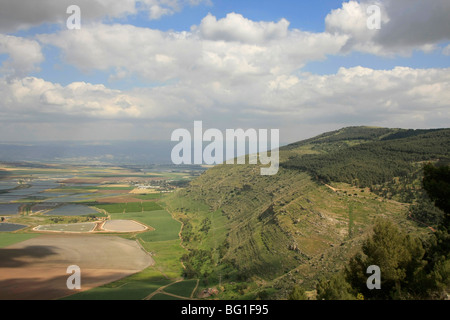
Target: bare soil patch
point(36, 268)
point(123, 226)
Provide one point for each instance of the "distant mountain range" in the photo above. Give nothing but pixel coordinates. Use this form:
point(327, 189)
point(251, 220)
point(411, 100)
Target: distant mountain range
point(118, 152)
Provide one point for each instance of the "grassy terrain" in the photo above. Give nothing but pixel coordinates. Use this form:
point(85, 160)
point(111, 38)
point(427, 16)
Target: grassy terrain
point(129, 207)
point(183, 288)
point(162, 296)
point(266, 233)
point(135, 287)
point(163, 244)
point(256, 236)
point(162, 240)
point(150, 196)
point(7, 239)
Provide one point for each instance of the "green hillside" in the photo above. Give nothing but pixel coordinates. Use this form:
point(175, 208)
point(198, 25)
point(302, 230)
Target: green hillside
point(375, 161)
point(258, 235)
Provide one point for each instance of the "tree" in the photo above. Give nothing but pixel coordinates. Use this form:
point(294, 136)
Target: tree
point(436, 182)
point(400, 258)
point(335, 288)
point(298, 293)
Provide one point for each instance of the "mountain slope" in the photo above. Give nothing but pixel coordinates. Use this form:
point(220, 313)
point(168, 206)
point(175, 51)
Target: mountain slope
point(376, 161)
point(292, 227)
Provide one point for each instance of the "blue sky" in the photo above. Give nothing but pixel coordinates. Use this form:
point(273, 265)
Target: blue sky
point(146, 67)
point(303, 15)
point(306, 15)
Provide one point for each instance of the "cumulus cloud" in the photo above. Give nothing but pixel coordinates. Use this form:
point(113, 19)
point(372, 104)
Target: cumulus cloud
point(229, 72)
point(23, 14)
point(401, 97)
point(24, 56)
point(149, 54)
point(200, 55)
point(446, 50)
point(159, 8)
point(405, 25)
point(36, 99)
point(237, 28)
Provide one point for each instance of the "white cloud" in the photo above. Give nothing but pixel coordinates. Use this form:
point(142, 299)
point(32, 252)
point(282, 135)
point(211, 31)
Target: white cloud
point(35, 99)
point(23, 14)
point(401, 97)
point(406, 25)
point(149, 54)
point(156, 12)
point(15, 15)
point(200, 55)
point(24, 55)
point(160, 8)
point(231, 72)
point(446, 50)
point(237, 28)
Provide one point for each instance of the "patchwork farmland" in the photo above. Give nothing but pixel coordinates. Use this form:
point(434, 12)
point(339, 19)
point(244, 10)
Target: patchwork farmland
point(53, 221)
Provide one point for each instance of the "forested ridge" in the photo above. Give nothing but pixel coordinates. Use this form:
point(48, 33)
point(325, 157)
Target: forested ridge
point(274, 237)
point(376, 161)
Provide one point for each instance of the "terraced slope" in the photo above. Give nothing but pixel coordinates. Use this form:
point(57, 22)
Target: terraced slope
point(292, 226)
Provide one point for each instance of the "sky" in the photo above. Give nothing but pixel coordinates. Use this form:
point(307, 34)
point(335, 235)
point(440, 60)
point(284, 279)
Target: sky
point(139, 69)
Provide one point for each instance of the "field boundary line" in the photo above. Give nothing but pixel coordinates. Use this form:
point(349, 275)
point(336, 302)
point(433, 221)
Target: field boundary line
point(195, 289)
point(153, 263)
point(160, 290)
point(179, 233)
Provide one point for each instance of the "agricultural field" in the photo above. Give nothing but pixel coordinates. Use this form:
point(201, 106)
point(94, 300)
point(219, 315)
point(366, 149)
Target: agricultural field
point(7, 239)
point(129, 207)
point(72, 227)
point(183, 288)
point(123, 226)
point(134, 287)
point(36, 267)
point(9, 227)
point(72, 210)
point(9, 209)
point(59, 201)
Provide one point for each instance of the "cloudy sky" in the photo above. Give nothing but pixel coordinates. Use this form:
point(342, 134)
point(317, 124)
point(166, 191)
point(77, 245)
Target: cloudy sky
point(138, 69)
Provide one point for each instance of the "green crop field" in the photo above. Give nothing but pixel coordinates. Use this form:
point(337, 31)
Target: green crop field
point(135, 287)
point(129, 207)
point(163, 242)
point(183, 288)
point(164, 245)
point(165, 227)
point(150, 206)
point(150, 196)
point(162, 296)
point(167, 255)
point(7, 239)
